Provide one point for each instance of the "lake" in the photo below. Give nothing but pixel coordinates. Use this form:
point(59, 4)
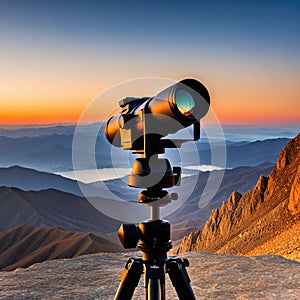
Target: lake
point(89, 176)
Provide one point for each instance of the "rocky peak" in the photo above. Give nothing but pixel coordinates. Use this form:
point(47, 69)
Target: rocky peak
point(245, 221)
point(289, 153)
point(294, 200)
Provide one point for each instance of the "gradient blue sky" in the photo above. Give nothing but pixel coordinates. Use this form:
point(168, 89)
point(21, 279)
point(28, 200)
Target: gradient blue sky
point(56, 56)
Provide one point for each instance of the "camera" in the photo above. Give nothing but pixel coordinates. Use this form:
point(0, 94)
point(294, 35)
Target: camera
point(142, 125)
point(178, 106)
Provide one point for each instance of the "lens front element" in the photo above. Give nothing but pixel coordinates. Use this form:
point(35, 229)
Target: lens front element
point(184, 101)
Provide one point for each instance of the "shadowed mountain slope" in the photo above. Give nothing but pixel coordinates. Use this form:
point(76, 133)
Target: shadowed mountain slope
point(51, 208)
point(25, 245)
point(263, 220)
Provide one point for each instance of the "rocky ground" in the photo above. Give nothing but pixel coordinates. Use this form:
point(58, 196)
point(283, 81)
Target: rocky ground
point(213, 276)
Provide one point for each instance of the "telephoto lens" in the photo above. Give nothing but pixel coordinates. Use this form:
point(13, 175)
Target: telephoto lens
point(178, 106)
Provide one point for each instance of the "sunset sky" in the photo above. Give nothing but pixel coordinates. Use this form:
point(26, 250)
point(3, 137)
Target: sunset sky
point(57, 56)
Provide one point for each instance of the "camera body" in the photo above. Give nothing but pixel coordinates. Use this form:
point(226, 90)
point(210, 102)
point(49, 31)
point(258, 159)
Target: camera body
point(145, 121)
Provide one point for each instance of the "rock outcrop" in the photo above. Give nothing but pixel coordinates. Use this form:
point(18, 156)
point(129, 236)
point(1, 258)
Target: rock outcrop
point(246, 222)
point(294, 201)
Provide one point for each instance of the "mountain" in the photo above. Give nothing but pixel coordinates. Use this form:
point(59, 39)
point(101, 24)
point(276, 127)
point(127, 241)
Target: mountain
point(33, 131)
point(263, 220)
point(39, 152)
point(32, 180)
point(243, 154)
point(180, 229)
point(52, 152)
point(50, 208)
point(25, 245)
point(240, 179)
point(42, 130)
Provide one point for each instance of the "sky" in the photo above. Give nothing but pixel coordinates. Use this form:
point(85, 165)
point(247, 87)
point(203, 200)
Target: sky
point(57, 56)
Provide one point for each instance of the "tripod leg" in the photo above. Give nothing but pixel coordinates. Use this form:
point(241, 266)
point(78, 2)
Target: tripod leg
point(129, 278)
point(154, 281)
point(154, 292)
point(180, 278)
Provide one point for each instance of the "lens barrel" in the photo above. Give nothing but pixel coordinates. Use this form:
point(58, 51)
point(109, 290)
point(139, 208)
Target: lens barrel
point(176, 107)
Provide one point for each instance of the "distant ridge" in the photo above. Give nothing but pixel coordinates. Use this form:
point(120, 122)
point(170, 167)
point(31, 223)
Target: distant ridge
point(248, 154)
point(25, 245)
point(264, 220)
point(53, 152)
point(29, 179)
point(32, 180)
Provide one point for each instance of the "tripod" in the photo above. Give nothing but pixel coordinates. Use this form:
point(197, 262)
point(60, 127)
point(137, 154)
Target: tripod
point(154, 237)
point(142, 126)
point(153, 173)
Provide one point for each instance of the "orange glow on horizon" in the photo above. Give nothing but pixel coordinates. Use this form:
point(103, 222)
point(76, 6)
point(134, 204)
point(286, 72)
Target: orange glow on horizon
point(45, 117)
point(45, 112)
point(65, 104)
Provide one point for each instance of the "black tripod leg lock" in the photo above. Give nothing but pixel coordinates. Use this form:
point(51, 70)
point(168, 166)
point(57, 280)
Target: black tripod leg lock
point(176, 268)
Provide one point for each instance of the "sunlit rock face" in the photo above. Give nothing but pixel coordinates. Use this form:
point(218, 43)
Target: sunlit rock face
point(263, 220)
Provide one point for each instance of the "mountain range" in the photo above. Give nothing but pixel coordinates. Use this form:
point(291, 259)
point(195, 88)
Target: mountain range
point(53, 152)
point(263, 220)
point(49, 207)
point(50, 212)
point(240, 179)
point(231, 132)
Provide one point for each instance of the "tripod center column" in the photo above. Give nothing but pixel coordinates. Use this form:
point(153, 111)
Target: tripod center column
point(154, 212)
